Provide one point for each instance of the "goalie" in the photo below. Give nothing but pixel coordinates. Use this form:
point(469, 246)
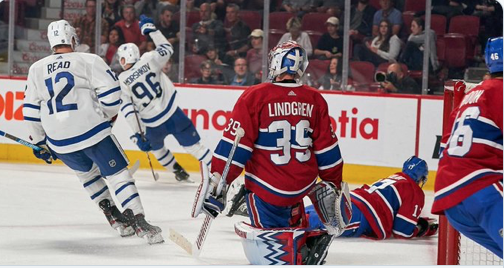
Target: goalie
point(288, 143)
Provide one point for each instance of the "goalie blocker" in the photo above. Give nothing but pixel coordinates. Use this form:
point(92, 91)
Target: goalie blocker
point(267, 246)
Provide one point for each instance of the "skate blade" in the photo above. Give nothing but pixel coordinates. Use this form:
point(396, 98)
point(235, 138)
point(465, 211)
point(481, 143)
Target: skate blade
point(188, 180)
point(126, 232)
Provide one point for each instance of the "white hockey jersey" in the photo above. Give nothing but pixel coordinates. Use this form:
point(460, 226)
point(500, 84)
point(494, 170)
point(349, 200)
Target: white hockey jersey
point(148, 88)
point(70, 99)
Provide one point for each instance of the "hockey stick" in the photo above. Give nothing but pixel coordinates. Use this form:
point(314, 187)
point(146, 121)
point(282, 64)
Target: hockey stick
point(142, 135)
point(21, 141)
point(195, 248)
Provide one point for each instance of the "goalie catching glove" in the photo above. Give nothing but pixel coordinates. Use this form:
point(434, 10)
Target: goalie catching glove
point(210, 198)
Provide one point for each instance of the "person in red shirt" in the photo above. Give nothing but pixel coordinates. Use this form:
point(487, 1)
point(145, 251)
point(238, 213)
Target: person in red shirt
point(131, 30)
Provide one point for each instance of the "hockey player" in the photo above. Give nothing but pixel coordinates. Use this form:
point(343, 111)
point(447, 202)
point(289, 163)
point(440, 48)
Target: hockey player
point(468, 187)
point(70, 99)
point(149, 102)
point(389, 207)
point(288, 143)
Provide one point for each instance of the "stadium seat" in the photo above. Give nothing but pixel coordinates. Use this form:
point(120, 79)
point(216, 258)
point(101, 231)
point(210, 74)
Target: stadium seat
point(317, 68)
point(414, 5)
point(191, 17)
point(314, 38)
point(468, 25)
point(278, 20)
point(274, 37)
point(407, 17)
point(440, 46)
point(315, 22)
point(362, 72)
point(438, 24)
point(252, 18)
point(457, 47)
point(192, 66)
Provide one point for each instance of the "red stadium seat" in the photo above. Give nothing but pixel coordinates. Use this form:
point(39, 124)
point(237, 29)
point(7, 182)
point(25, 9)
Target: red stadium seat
point(440, 46)
point(407, 17)
point(315, 22)
point(362, 72)
point(191, 17)
point(317, 68)
point(274, 37)
point(192, 66)
point(457, 48)
point(252, 18)
point(468, 25)
point(314, 37)
point(414, 5)
point(278, 20)
point(438, 24)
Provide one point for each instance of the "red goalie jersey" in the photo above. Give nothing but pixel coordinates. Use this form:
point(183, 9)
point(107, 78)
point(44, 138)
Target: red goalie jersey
point(472, 159)
point(288, 142)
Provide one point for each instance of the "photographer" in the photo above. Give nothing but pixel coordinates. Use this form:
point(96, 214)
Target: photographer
point(396, 81)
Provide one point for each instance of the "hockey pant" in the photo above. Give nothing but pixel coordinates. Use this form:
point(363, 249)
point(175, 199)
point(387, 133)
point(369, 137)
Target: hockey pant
point(479, 217)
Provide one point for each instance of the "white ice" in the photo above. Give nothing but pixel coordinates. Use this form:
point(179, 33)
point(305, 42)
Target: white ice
point(47, 218)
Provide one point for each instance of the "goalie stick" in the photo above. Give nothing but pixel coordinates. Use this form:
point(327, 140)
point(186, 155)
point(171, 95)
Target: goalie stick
point(195, 248)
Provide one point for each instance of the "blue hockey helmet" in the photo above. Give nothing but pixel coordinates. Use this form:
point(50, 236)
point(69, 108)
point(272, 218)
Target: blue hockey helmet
point(493, 54)
point(416, 169)
point(288, 57)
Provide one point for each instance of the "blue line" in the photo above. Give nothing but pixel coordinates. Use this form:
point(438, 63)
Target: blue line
point(81, 137)
point(109, 92)
point(111, 104)
point(129, 199)
point(150, 120)
point(124, 186)
point(126, 105)
point(203, 157)
point(27, 105)
point(99, 192)
point(165, 155)
point(26, 118)
point(92, 181)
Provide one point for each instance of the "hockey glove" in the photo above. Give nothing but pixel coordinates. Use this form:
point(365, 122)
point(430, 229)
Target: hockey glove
point(427, 227)
point(45, 154)
point(209, 199)
point(146, 25)
point(141, 141)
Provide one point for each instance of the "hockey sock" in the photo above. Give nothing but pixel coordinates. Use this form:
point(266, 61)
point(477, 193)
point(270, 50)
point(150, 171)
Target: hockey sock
point(165, 158)
point(126, 191)
point(95, 185)
point(200, 152)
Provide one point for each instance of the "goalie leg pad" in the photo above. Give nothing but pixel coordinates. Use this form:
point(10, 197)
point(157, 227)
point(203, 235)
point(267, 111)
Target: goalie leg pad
point(332, 205)
point(94, 184)
point(126, 191)
point(272, 246)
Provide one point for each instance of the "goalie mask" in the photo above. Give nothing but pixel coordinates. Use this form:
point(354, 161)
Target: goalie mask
point(288, 57)
point(61, 33)
point(416, 169)
point(130, 53)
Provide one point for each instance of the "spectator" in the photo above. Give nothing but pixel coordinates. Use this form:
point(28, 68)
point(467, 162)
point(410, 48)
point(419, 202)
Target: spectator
point(294, 33)
point(108, 50)
point(218, 66)
point(326, 6)
point(86, 23)
point(399, 82)
point(332, 78)
point(207, 31)
point(330, 44)
point(413, 53)
point(361, 20)
point(300, 7)
point(254, 55)
point(131, 29)
point(170, 29)
point(111, 11)
point(384, 48)
point(147, 8)
point(81, 47)
point(242, 76)
point(237, 33)
point(391, 14)
point(208, 77)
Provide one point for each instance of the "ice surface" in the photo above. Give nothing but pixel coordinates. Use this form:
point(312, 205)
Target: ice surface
point(47, 218)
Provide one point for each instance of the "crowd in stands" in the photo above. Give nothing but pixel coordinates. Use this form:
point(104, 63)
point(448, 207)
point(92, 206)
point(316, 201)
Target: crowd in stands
point(224, 38)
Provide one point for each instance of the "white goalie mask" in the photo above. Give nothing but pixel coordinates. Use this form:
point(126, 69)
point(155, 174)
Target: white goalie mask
point(129, 52)
point(288, 57)
point(61, 33)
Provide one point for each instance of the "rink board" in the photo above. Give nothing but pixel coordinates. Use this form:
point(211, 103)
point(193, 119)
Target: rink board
point(377, 132)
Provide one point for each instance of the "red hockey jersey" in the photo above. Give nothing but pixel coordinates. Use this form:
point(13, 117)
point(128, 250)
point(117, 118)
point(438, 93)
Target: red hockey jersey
point(288, 142)
point(391, 206)
point(472, 159)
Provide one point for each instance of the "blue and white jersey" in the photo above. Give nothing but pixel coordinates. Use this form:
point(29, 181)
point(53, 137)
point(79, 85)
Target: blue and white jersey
point(148, 88)
point(69, 100)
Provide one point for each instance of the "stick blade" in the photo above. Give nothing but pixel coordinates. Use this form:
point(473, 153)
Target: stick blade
point(181, 241)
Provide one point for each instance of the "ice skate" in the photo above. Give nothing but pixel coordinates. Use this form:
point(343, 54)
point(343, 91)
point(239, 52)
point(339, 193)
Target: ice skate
point(116, 219)
point(180, 174)
point(143, 229)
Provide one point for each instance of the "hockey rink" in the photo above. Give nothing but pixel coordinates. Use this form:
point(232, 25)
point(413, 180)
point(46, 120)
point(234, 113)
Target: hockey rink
point(48, 219)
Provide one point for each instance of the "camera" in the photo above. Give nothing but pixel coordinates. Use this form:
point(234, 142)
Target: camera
point(384, 77)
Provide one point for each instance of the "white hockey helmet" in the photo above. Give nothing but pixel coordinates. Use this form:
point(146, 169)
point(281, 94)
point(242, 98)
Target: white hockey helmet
point(287, 57)
point(61, 33)
point(129, 52)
